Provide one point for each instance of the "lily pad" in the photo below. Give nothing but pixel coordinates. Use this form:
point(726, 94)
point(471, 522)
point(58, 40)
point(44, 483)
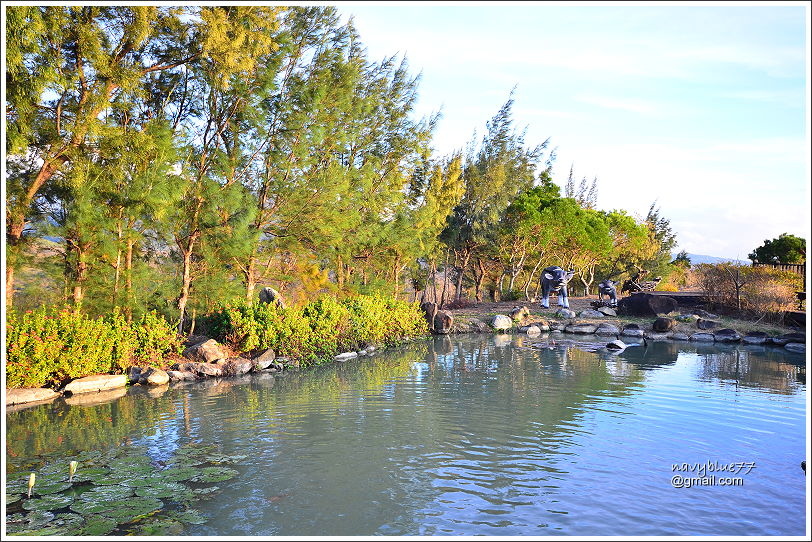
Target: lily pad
point(38, 519)
point(99, 526)
point(107, 493)
point(48, 487)
point(48, 502)
point(91, 474)
point(214, 474)
point(160, 489)
point(133, 508)
point(13, 497)
point(89, 507)
point(178, 474)
point(160, 527)
point(230, 459)
point(206, 492)
point(190, 516)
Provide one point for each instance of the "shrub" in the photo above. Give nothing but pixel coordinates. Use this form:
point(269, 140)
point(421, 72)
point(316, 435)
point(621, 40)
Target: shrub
point(47, 347)
point(320, 329)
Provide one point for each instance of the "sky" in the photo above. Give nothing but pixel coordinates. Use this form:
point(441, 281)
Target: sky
point(702, 108)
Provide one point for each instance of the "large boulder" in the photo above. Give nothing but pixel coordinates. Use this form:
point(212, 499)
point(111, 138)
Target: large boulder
point(755, 337)
point(643, 304)
point(727, 336)
point(533, 331)
point(17, 396)
point(271, 296)
point(789, 338)
point(234, 366)
point(702, 337)
point(263, 360)
point(179, 376)
point(345, 356)
point(501, 323)
point(663, 324)
point(153, 376)
point(706, 324)
point(96, 383)
point(632, 330)
point(678, 336)
point(519, 314)
point(201, 369)
point(607, 311)
point(564, 313)
point(607, 329)
point(800, 348)
point(205, 352)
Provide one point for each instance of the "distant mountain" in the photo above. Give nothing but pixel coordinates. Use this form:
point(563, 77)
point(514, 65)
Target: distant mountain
point(703, 258)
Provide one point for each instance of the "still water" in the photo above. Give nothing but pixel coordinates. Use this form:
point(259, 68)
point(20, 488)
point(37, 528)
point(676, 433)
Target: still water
point(472, 435)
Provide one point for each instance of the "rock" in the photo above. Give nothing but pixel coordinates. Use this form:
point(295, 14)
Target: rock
point(755, 337)
point(134, 374)
point(370, 349)
point(702, 337)
point(607, 329)
point(632, 330)
point(345, 356)
point(153, 376)
point(564, 313)
point(789, 338)
point(95, 383)
point(663, 324)
point(234, 366)
point(269, 295)
point(616, 345)
point(607, 311)
point(727, 336)
point(796, 347)
point(17, 396)
point(643, 304)
point(205, 352)
point(678, 336)
point(501, 323)
point(202, 369)
point(704, 314)
point(655, 336)
point(533, 331)
point(557, 326)
point(589, 313)
point(582, 328)
point(178, 376)
point(519, 314)
point(706, 324)
point(264, 359)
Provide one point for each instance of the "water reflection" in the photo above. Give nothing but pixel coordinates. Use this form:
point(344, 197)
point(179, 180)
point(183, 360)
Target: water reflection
point(469, 435)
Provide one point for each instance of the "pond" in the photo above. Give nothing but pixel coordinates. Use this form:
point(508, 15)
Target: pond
point(462, 435)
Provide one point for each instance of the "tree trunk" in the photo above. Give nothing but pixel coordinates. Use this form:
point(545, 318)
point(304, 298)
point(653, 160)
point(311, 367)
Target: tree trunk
point(530, 280)
point(79, 274)
point(250, 279)
point(445, 278)
point(128, 265)
point(117, 265)
point(479, 279)
point(186, 284)
point(462, 272)
point(9, 286)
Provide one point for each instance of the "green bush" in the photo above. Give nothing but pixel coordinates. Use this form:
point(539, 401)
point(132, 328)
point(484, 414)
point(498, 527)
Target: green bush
point(320, 329)
point(47, 347)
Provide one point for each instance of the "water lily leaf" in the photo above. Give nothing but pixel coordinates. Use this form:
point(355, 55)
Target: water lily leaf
point(160, 489)
point(48, 502)
point(91, 474)
point(16, 523)
point(48, 487)
point(160, 527)
point(99, 526)
point(190, 516)
point(214, 474)
point(107, 493)
point(89, 507)
point(206, 492)
point(231, 459)
point(178, 474)
point(133, 508)
point(13, 497)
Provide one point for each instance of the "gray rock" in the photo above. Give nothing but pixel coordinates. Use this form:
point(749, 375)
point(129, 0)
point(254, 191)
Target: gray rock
point(201, 369)
point(632, 330)
point(179, 376)
point(17, 396)
point(501, 323)
point(607, 311)
point(655, 336)
point(616, 345)
point(589, 313)
point(796, 347)
point(702, 337)
point(263, 360)
point(686, 318)
point(705, 314)
point(205, 352)
point(607, 329)
point(96, 383)
point(134, 374)
point(755, 337)
point(678, 336)
point(706, 324)
point(533, 331)
point(557, 326)
point(727, 336)
point(269, 295)
point(663, 324)
point(789, 338)
point(234, 366)
point(153, 376)
point(564, 313)
point(582, 328)
point(345, 356)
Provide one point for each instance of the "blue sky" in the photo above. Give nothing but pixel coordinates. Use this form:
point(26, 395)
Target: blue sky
point(702, 108)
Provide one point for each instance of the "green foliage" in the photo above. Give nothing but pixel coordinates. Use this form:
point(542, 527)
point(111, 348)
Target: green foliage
point(786, 248)
point(47, 347)
point(319, 330)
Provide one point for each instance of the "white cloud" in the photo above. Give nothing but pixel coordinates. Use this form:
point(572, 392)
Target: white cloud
point(635, 106)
